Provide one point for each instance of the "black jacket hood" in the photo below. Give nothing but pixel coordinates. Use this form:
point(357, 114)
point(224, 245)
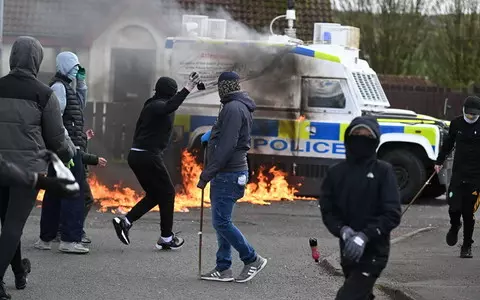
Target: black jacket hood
point(242, 97)
point(367, 122)
point(26, 56)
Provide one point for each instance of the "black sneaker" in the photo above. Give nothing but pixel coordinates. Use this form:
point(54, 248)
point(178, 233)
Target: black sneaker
point(174, 244)
point(122, 228)
point(3, 292)
point(466, 252)
point(21, 279)
point(452, 235)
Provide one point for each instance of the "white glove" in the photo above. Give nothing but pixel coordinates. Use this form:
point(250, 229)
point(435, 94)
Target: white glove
point(192, 82)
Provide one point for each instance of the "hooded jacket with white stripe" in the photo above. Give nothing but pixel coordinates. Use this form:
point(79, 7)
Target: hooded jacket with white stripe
point(30, 118)
point(362, 194)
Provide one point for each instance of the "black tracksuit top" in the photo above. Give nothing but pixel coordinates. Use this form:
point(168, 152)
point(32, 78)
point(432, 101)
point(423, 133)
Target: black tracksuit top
point(466, 139)
point(364, 196)
point(154, 126)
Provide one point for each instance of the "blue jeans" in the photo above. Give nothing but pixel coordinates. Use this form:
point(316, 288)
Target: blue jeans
point(224, 193)
point(67, 212)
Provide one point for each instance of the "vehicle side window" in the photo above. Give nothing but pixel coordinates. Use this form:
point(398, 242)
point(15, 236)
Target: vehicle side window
point(323, 93)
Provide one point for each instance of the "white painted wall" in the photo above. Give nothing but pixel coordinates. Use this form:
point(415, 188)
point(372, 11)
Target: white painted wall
point(6, 49)
point(128, 32)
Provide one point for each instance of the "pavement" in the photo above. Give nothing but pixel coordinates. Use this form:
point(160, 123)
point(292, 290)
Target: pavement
point(421, 265)
point(426, 268)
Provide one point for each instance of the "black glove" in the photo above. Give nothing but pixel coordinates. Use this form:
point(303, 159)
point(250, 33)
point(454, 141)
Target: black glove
point(55, 186)
point(355, 246)
point(346, 233)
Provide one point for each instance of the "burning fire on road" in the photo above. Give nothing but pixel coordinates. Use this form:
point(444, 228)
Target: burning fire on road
point(271, 186)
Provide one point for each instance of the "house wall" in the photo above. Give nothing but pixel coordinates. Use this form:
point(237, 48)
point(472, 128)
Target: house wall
point(48, 66)
point(128, 32)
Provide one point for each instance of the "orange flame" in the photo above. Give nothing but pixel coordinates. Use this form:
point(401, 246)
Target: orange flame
point(301, 118)
point(121, 199)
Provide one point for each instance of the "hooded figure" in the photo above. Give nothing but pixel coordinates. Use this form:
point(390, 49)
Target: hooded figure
point(146, 159)
point(30, 121)
point(462, 197)
point(72, 101)
point(227, 170)
point(229, 140)
point(360, 204)
point(66, 214)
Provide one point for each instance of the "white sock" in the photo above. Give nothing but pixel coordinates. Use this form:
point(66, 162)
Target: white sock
point(127, 221)
point(167, 239)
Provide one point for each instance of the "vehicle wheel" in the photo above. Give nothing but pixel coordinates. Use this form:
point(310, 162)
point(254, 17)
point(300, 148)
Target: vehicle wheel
point(434, 189)
point(409, 170)
point(198, 150)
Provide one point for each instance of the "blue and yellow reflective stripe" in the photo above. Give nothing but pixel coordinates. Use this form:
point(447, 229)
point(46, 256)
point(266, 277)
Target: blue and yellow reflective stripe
point(296, 50)
point(305, 129)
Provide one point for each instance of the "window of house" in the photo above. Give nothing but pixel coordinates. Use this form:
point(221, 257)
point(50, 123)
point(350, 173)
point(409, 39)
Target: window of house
point(323, 93)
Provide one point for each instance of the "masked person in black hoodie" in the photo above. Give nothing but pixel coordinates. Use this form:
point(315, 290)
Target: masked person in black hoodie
point(360, 205)
point(152, 135)
point(227, 170)
point(463, 196)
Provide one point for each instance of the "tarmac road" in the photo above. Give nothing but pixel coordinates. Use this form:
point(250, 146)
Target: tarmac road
point(279, 232)
point(114, 271)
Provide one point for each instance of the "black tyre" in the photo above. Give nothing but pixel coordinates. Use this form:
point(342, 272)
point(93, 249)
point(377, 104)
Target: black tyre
point(410, 172)
point(198, 150)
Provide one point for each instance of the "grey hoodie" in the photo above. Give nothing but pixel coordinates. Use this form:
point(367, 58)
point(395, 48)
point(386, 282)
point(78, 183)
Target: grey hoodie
point(30, 118)
point(230, 136)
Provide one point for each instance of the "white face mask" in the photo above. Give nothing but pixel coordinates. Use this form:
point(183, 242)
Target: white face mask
point(470, 119)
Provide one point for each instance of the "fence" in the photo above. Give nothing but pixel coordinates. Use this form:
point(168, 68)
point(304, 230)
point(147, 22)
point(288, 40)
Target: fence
point(433, 101)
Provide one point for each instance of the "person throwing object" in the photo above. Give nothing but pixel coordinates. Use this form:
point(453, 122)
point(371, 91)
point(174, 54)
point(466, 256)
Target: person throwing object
point(152, 136)
point(360, 204)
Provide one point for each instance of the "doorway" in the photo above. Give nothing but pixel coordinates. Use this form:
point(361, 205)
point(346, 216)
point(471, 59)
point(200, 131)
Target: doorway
point(133, 74)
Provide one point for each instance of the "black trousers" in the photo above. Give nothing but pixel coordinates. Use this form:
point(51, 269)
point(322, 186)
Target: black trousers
point(15, 207)
point(358, 284)
point(154, 178)
point(463, 202)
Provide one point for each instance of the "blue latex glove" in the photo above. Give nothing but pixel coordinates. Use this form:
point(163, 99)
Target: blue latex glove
point(206, 136)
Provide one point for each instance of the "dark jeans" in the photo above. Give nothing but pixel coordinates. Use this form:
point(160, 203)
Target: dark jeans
point(67, 211)
point(154, 178)
point(358, 284)
point(15, 207)
point(224, 193)
point(464, 203)
point(88, 200)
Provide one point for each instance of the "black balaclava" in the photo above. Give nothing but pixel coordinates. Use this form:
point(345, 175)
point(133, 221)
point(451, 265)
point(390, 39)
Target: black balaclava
point(361, 148)
point(228, 82)
point(165, 88)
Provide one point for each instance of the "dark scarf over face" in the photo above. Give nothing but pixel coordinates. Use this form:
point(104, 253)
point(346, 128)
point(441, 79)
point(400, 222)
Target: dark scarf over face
point(361, 148)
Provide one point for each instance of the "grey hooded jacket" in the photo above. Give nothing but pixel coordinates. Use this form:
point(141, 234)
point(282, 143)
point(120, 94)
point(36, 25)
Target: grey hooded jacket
point(30, 118)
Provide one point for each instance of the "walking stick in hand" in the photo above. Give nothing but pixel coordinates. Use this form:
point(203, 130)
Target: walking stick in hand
point(200, 234)
point(419, 192)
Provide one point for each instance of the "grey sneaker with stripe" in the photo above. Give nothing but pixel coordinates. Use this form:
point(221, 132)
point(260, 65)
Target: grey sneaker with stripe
point(252, 269)
point(214, 275)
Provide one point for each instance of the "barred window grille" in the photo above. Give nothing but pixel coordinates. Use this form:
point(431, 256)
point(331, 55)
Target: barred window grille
point(370, 89)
